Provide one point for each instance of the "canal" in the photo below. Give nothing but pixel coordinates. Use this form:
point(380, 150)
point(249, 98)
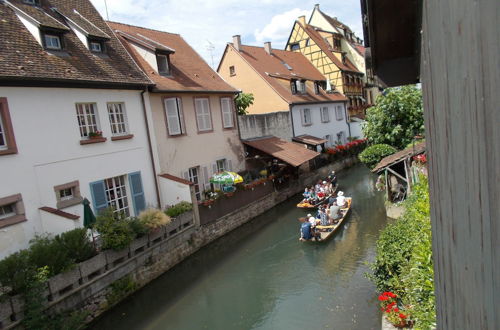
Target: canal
point(261, 277)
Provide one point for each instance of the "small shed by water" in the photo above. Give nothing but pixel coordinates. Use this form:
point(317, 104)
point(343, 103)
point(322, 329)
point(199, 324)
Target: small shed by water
point(397, 172)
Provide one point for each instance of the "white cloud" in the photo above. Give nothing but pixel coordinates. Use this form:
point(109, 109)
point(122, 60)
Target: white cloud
point(279, 27)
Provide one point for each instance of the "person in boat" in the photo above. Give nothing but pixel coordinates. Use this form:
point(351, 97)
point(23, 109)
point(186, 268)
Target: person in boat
point(333, 178)
point(305, 231)
point(313, 198)
point(322, 215)
point(335, 213)
point(341, 199)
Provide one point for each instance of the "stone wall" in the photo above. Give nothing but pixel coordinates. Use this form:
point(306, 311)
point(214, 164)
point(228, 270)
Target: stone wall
point(275, 123)
point(87, 286)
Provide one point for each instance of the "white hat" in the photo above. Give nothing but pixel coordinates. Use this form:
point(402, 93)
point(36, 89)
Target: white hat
point(324, 182)
point(309, 215)
point(341, 193)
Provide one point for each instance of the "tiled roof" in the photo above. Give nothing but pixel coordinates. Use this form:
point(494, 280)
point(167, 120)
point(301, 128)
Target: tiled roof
point(292, 153)
point(23, 58)
point(360, 49)
point(87, 27)
point(400, 155)
point(272, 68)
point(327, 49)
point(335, 22)
point(189, 71)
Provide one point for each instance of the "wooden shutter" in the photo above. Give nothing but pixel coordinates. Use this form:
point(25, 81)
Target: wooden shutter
point(98, 192)
point(206, 178)
point(137, 192)
point(173, 116)
point(185, 175)
point(227, 115)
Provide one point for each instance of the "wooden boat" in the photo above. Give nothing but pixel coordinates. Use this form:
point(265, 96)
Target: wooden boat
point(327, 231)
point(313, 206)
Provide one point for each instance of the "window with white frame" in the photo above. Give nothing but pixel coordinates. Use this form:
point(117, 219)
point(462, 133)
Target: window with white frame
point(3, 138)
point(301, 86)
point(117, 118)
point(52, 41)
point(339, 112)
point(325, 115)
point(227, 112)
point(95, 46)
point(221, 165)
point(68, 194)
point(306, 116)
point(173, 112)
point(329, 140)
point(194, 177)
point(203, 118)
point(7, 211)
point(116, 194)
point(87, 118)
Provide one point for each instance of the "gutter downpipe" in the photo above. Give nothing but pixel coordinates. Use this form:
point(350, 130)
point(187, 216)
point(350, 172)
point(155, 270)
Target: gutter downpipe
point(290, 107)
point(150, 146)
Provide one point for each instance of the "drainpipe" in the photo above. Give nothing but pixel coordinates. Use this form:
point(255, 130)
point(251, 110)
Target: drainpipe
point(290, 107)
point(150, 146)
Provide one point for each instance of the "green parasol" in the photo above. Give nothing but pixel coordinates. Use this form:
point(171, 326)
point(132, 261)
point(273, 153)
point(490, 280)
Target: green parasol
point(88, 215)
point(226, 177)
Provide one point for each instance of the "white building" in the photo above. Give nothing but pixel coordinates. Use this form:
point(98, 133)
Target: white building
point(63, 78)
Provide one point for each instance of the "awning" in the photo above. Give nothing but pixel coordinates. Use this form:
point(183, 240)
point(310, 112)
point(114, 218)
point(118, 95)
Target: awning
point(309, 139)
point(399, 156)
point(292, 153)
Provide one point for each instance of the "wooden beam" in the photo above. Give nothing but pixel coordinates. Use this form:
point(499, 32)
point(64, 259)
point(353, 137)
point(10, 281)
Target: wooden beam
point(396, 174)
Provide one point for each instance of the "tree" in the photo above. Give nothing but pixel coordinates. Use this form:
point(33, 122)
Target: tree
point(243, 101)
point(397, 117)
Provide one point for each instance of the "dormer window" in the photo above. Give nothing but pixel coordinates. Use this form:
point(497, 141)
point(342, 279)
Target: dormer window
point(301, 86)
point(316, 87)
point(96, 46)
point(163, 64)
point(295, 46)
point(52, 41)
point(293, 86)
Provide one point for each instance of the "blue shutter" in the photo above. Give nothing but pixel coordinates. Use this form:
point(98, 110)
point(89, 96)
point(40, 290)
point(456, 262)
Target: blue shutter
point(98, 192)
point(137, 192)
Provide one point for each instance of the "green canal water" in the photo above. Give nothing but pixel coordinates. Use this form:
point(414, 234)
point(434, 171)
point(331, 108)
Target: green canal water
point(261, 277)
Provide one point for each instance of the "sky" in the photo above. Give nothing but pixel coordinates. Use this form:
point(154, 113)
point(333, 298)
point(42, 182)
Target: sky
point(208, 25)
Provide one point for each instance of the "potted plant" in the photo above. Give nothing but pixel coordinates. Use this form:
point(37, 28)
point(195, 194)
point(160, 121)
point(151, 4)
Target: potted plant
point(392, 312)
point(95, 135)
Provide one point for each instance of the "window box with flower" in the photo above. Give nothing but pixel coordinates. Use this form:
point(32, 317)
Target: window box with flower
point(95, 135)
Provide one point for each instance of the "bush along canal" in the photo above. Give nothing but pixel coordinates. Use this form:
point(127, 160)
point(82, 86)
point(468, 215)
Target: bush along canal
point(260, 276)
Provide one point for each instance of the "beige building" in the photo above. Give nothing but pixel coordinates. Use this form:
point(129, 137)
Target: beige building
point(192, 112)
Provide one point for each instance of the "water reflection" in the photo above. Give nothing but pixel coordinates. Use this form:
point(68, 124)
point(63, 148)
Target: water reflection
point(261, 277)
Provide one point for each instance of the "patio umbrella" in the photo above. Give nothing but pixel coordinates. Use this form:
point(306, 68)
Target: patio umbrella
point(88, 218)
point(226, 177)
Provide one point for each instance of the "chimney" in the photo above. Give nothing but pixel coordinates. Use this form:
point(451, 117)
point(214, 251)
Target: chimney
point(302, 20)
point(316, 6)
point(267, 47)
point(237, 42)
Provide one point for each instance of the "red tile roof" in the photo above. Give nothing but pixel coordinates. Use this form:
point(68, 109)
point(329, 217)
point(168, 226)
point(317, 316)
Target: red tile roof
point(189, 71)
point(22, 58)
point(309, 139)
point(399, 156)
point(292, 153)
point(328, 50)
point(272, 68)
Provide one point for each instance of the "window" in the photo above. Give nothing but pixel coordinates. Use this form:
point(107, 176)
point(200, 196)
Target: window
point(339, 112)
point(232, 71)
point(193, 176)
point(52, 41)
point(294, 46)
point(32, 2)
point(307, 42)
point(306, 117)
point(325, 115)
point(117, 118)
point(329, 141)
point(173, 113)
point(221, 165)
point(87, 118)
point(95, 46)
point(293, 86)
point(116, 194)
point(341, 138)
point(7, 140)
point(68, 194)
point(316, 87)
point(163, 65)
point(11, 210)
point(203, 118)
point(301, 86)
point(227, 112)
point(336, 44)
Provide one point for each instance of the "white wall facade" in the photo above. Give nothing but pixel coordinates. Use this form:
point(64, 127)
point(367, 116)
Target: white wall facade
point(318, 128)
point(49, 153)
point(357, 128)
